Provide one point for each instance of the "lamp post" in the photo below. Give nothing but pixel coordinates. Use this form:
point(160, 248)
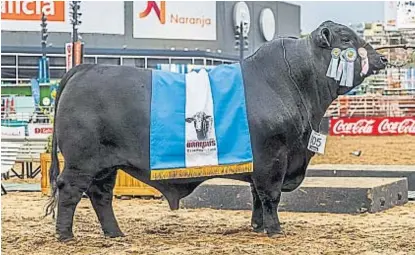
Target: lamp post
point(43, 65)
point(241, 39)
point(75, 15)
point(44, 33)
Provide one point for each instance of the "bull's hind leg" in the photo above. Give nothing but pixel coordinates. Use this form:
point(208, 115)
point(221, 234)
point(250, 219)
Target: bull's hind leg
point(101, 195)
point(268, 185)
point(71, 184)
point(257, 218)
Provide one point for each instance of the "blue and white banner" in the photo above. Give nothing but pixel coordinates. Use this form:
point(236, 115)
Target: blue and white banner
point(199, 125)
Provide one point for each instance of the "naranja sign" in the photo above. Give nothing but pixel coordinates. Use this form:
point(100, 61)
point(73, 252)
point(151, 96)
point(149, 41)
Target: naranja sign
point(196, 20)
point(32, 10)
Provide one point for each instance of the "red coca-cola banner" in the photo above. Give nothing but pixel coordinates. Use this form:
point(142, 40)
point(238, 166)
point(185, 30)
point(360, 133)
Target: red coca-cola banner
point(373, 126)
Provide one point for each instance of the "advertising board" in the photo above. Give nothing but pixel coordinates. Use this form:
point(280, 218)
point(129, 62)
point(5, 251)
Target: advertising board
point(40, 130)
point(374, 126)
point(175, 20)
point(18, 132)
point(405, 17)
point(25, 16)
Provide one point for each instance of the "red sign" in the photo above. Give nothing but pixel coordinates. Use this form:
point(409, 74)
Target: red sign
point(69, 55)
point(373, 126)
point(43, 131)
point(40, 130)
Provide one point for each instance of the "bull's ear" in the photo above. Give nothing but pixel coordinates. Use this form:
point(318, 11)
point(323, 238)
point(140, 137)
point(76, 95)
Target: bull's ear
point(324, 37)
point(208, 116)
point(189, 120)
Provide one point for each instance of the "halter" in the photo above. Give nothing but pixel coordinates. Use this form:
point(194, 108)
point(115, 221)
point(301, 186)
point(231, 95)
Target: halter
point(404, 46)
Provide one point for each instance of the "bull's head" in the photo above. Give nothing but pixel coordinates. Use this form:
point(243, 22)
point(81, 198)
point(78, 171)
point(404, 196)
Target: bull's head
point(330, 35)
point(201, 122)
point(198, 119)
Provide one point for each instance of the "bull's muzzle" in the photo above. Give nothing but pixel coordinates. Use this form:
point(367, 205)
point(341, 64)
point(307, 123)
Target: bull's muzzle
point(384, 60)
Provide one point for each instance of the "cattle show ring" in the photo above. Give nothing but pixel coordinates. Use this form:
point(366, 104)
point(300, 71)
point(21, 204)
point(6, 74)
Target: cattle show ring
point(206, 127)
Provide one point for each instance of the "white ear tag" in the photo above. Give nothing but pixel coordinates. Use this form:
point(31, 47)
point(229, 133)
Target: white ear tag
point(317, 142)
point(350, 56)
point(335, 55)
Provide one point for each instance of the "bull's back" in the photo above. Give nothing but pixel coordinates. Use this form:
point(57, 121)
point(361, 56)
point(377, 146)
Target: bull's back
point(103, 113)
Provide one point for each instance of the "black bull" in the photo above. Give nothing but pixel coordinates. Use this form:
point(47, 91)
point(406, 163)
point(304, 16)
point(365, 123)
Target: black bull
point(102, 124)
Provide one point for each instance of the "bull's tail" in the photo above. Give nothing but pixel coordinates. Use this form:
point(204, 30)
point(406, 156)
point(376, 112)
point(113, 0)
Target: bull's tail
point(54, 168)
point(53, 176)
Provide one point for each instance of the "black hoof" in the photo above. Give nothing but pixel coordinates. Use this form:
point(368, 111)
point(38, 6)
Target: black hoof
point(114, 234)
point(274, 232)
point(258, 229)
point(65, 238)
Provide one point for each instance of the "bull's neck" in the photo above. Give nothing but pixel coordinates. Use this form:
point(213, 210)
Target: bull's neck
point(307, 70)
point(318, 91)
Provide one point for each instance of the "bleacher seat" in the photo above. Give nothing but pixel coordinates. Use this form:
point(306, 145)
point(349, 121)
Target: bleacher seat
point(29, 152)
point(9, 152)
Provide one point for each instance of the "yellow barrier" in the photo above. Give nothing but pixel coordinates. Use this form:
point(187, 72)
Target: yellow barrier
point(125, 185)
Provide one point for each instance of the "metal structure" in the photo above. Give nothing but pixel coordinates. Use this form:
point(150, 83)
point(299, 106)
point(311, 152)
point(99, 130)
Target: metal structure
point(44, 33)
point(241, 39)
point(43, 64)
point(372, 105)
point(75, 15)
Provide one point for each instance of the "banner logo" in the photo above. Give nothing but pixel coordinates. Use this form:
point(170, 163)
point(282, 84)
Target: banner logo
point(160, 12)
point(32, 10)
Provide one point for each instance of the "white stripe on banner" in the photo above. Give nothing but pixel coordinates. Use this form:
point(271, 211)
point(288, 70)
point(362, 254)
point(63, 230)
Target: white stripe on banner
point(201, 147)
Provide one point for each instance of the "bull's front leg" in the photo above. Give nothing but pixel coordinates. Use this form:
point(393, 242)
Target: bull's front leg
point(268, 184)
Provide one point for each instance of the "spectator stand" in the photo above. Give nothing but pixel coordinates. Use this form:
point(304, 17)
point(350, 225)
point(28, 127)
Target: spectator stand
point(9, 150)
point(28, 128)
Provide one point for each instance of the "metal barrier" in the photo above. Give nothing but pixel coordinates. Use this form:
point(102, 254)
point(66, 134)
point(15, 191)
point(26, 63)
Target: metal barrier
point(372, 105)
point(9, 151)
point(29, 152)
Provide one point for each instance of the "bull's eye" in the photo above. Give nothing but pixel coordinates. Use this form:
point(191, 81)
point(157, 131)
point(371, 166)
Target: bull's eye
point(346, 40)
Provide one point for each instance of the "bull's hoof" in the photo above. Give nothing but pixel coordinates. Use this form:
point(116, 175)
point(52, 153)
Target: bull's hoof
point(65, 238)
point(114, 234)
point(277, 232)
point(257, 229)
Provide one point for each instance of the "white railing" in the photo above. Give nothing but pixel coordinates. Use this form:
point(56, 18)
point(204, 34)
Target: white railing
point(372, 105)
point(29, 115)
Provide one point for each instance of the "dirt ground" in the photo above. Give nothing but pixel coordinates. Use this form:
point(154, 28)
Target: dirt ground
point(151, 228)
point(375, 150)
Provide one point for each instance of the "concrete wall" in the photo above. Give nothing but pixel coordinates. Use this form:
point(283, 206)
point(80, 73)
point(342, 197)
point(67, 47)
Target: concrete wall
point(287, 24)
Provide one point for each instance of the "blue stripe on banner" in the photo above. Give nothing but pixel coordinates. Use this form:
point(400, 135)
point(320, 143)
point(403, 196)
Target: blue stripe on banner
point(167, 127)
point(231, 123)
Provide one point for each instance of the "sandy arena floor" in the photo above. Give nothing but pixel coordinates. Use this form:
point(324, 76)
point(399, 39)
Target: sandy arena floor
point(151, 228)
point(376, 150)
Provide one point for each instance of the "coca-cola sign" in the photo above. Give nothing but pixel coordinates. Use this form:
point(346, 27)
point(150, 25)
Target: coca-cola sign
point(373, 126)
